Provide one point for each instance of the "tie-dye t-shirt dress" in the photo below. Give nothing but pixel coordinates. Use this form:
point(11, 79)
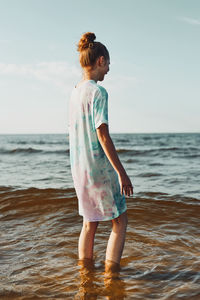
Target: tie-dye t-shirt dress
point(95, 180)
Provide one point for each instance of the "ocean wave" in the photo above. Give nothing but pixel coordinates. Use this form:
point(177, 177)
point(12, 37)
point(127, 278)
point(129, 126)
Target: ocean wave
point(132, 151)
point(131, 160)
point(172, 200)
point(39, 142)
point(33, 190)
point(155, 164)
point(122, 140)
point(33, 199)
point(189, 151)
point(31, 150)
point(38, 196)
point(149, 174)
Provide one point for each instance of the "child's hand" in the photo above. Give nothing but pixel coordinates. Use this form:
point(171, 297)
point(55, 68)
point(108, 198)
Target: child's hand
point(125, 184)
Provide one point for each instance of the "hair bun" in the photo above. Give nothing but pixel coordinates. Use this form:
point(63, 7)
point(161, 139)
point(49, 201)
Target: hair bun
point(85, 40)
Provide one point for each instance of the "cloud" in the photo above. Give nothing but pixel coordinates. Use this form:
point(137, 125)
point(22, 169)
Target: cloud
point(191, 21)
point(63, 75)
point(59, 73)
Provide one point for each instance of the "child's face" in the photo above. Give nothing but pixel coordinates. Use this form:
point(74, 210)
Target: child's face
point(103, 68)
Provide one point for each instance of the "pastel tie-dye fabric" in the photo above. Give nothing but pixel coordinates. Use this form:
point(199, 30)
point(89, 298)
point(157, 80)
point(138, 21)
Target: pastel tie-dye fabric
point(95, 180)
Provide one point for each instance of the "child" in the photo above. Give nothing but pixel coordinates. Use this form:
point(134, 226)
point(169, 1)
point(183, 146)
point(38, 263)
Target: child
point(100, 180)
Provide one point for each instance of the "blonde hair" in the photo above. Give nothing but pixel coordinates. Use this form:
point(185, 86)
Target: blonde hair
point(90, 50)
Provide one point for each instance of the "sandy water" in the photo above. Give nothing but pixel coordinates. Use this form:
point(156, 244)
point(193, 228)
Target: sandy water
point(40, 225)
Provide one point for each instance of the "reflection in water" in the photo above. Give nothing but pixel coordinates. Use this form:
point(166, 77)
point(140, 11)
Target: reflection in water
point(114, 288)
point(88, 289)
point(90, 282)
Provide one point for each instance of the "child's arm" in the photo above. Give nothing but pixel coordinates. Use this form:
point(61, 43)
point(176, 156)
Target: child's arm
point(110, 151)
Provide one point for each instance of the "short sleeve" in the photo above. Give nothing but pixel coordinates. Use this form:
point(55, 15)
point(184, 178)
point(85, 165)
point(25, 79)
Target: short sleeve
point(100, 108)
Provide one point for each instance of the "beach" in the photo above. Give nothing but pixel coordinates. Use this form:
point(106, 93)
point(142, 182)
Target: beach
point(40, 224)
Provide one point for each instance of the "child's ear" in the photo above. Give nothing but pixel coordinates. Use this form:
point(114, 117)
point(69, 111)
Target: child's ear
point(101, 61)
point(98, 61)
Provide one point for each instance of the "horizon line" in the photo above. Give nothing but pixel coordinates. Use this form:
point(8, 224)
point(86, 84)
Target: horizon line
point(153, 132)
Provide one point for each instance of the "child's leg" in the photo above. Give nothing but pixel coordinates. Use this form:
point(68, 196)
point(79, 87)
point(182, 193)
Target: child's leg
point(116, 240)
point(86, 239)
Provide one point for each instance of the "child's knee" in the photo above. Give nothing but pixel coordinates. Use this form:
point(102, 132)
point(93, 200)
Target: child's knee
point(121, 221)
point(90, 226)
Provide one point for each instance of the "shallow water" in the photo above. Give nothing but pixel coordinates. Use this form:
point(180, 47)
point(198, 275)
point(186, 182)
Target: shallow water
point(40, 225)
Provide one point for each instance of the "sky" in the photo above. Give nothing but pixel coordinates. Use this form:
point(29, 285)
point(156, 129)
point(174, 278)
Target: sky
point(154, 79)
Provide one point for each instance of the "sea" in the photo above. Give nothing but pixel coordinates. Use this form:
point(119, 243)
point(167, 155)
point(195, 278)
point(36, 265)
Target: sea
point(40, 225)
